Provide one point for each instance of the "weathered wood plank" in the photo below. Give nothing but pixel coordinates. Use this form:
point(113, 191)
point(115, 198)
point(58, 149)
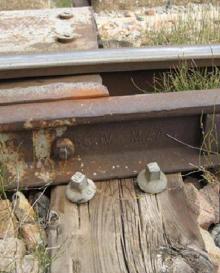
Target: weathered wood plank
point(179, 220)
point(124, 230)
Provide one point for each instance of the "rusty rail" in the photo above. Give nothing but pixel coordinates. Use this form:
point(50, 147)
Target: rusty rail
point(105, 60)
point(104, 137)
point(48, 130)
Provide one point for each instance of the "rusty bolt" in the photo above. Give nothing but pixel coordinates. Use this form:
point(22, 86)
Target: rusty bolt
point(80, 189)
point(152, 179)
point(66, 15)
point(63, 148)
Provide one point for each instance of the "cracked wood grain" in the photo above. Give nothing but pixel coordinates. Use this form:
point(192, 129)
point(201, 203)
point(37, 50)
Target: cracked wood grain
point(125, 231)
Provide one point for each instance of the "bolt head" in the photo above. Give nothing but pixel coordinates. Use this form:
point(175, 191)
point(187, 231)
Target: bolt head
point(152, 180)
point(66, 15)
point(78, 181)
point(63, 149)
point(153, 171)
point(67, 37)
point(80, 189)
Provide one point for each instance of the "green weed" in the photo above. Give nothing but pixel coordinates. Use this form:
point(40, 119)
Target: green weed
point(185, 78)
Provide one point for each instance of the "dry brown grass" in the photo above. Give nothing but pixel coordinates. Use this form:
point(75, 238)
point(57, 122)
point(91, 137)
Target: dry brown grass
point(130, 4)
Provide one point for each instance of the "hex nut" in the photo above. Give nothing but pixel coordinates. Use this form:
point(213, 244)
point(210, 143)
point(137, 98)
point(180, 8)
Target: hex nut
point(80, 189)
point(152, 180)
point(63, 149)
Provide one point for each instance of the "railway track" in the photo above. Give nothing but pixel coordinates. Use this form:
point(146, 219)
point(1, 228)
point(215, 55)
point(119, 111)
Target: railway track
point(115, 134)
point(71, 106)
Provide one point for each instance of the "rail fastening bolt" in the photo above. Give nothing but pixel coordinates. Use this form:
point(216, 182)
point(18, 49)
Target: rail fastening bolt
point(63, 148)
point(80, 189)
point(152, 180)
point(66, 15)
point(67, 37)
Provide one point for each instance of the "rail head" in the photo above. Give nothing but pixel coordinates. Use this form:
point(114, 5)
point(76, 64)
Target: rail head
point(105, 60)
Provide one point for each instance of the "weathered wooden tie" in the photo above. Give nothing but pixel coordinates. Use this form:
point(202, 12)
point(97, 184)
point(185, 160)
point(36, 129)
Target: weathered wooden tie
point(124, 230)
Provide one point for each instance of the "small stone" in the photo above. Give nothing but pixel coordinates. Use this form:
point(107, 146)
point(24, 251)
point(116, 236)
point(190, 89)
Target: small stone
point(150, 12)
point(12, 250)
point(8, 223)
point(128, 13)
point(179, 265)
point(139, 18)
point(198, 259)
point(30, 264)
point(207, 213)
point(34, 235)
point(212, 249)
point(22, 209)
point(200, 206)
point(215, 232)
point(211, 193)
point(116, 44)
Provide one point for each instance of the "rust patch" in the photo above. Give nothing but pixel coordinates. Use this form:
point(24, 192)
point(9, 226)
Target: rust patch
point(42, 144)
point(11, 158)
point(42, 149)
point(30, 124)
point(42, 141)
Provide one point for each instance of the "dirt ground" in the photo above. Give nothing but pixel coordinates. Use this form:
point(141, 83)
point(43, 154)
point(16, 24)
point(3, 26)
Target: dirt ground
point(33, 4)
point(23, 4)
point(161, 25)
